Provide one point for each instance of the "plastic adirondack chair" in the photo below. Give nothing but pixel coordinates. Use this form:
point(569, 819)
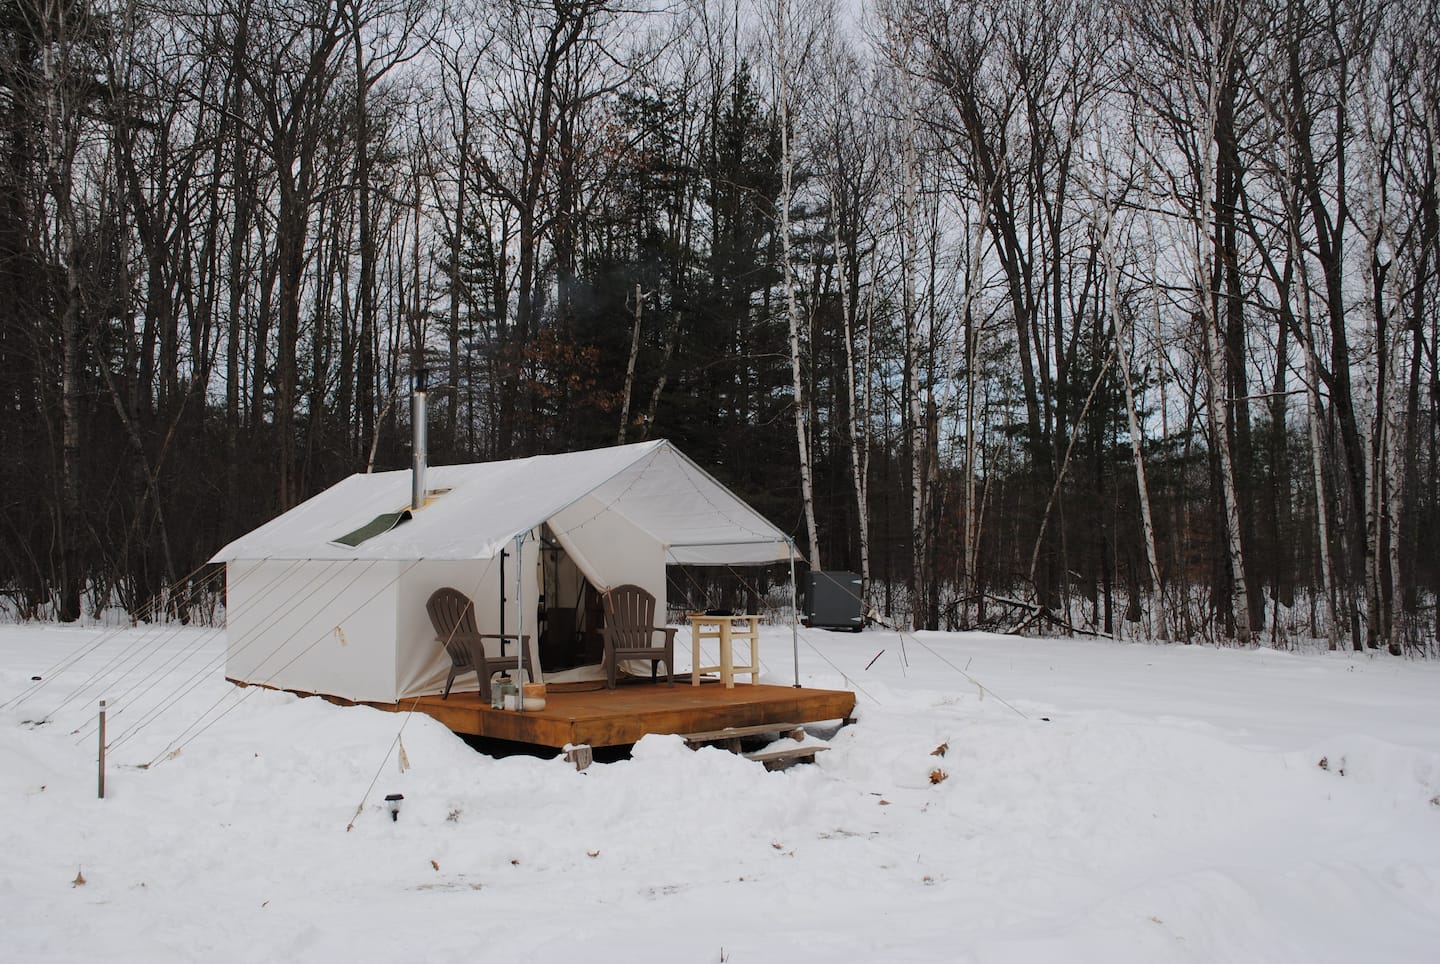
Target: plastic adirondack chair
point(630, 631)
point(453, 616)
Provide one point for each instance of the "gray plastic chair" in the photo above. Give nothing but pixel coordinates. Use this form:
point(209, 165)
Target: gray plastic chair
point(630, 631)
point(453, 616)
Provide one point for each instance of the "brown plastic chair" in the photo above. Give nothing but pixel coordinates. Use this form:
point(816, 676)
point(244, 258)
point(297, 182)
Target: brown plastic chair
point(453, 616)
point(629, 632)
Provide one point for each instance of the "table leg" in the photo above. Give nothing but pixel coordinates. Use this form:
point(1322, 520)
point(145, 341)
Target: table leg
point(694, 654)
point(727, 658)
point(754, 650)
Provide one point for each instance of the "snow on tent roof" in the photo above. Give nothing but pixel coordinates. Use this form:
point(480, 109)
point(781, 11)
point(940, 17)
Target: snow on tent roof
point(652, 484)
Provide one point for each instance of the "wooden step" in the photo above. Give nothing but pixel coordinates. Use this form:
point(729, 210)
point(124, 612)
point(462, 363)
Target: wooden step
point(731, 736)
point(783, 757)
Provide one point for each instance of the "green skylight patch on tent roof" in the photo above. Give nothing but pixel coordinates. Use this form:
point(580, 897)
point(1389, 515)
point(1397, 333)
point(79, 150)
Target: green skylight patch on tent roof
point(376, 526)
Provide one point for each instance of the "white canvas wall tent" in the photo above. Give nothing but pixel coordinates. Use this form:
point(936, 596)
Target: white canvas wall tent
point(330, 596)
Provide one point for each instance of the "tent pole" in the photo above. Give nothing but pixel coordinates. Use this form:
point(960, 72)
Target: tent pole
point(794, 615)
point(519, 622)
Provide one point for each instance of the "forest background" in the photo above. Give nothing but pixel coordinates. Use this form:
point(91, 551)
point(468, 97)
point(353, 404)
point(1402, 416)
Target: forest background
point(1103, 317)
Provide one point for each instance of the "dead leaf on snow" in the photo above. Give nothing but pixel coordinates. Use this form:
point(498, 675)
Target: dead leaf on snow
point(940, 750)
point(938, 775)
point(79, 880)
point(435, 864)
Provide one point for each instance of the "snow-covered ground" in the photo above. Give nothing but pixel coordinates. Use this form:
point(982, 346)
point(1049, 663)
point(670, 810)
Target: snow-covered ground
point(1100, 802)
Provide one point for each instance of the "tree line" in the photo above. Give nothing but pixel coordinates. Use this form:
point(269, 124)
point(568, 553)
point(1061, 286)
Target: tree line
point(1115, 318)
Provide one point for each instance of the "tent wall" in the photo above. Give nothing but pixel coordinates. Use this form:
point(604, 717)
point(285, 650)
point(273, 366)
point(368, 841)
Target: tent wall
point(610, 550)
point(421, 664)
point(307, 613)
point(313, 627)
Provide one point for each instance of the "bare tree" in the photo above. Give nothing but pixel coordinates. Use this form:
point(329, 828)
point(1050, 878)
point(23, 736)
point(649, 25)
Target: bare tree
point(1109, 205)
point(293, 58)
point(790, 54)
point(1193, 52)
point(847, 151)
point(548, 63)
point(61, 89)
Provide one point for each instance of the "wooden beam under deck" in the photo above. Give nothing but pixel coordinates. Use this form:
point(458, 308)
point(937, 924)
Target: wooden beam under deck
point(606, 717)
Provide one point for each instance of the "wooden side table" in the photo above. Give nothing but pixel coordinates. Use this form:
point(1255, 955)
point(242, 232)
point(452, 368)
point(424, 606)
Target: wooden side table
point(725, 630)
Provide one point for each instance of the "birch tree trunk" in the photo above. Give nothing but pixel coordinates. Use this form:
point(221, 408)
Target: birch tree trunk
point(70, 524)
point(974, 515)
point(858, 431)
point(919, 438)
point(1220, 438)
point(1394, 506)
point(1390, 461)
point(1214, 344)
point(1122, 343)
point(792, 312)
point(61, 136)
point(671, 333)
point(630, 365)
point(1316, 420)
point(366, 249)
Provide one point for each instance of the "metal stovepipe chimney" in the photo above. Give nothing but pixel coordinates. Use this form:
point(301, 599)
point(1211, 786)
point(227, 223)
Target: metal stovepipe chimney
point(417, 424)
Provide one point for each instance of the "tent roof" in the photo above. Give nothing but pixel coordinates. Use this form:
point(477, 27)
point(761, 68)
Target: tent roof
point(475, 511)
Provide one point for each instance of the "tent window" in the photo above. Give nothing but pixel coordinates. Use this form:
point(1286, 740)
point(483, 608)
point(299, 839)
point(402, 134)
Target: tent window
point(376, 526)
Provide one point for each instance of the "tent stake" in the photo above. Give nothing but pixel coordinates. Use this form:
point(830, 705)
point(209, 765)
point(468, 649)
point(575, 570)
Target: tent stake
point(794, 615)
point(102, 749)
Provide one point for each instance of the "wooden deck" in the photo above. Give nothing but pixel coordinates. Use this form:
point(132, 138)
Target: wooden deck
point(604, 717)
